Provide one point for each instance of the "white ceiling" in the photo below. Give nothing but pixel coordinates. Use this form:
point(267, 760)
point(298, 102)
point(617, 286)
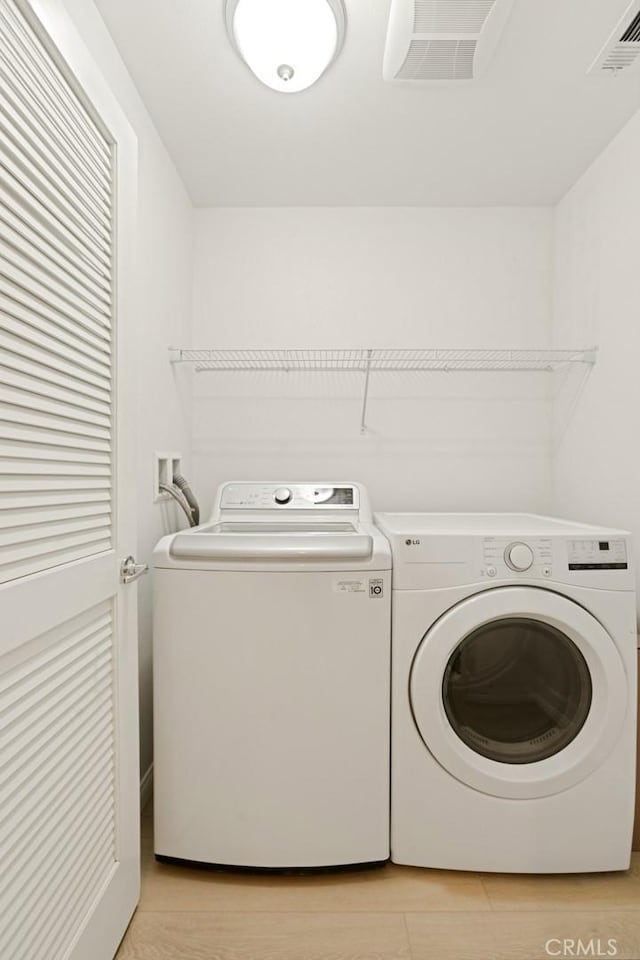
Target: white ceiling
point(522, 135)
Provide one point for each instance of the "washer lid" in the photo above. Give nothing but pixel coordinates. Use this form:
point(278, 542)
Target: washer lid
point(270, 541)
point(518, 692)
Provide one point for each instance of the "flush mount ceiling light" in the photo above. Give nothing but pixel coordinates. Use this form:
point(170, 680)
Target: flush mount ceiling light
point(287, 44)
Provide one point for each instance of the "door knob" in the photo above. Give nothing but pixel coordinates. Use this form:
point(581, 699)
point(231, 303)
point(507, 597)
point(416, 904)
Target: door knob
point(130, 570)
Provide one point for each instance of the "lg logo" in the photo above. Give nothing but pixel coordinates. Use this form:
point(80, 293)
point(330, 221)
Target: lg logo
point(412, 543)
point(581, 948)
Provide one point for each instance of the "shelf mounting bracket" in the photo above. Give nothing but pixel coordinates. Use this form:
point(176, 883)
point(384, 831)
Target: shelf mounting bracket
point(365, 396)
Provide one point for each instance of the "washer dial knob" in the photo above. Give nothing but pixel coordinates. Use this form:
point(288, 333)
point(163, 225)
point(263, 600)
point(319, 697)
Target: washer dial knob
point(518, 557)
point(282, 495)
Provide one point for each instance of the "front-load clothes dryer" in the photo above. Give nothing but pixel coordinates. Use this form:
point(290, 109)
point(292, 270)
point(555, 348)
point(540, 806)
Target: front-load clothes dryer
point(271, 681)
point(513, 693)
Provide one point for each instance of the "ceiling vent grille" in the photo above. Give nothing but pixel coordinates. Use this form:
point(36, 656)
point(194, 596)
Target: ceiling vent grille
point(442, 39)
point(621, 52)
point(451, 16)
point(438, 60)
point(632, 33)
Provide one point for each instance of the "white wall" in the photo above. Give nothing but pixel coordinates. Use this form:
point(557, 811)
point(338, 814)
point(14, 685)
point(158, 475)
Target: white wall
point(373, 277)
point(165, 221)
point(597, 260)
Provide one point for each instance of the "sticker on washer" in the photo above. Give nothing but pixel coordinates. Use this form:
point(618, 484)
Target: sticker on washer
point(349, 586)
point(376, 588)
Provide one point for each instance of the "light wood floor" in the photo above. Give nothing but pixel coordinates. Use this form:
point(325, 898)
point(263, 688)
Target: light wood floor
point(398, 913)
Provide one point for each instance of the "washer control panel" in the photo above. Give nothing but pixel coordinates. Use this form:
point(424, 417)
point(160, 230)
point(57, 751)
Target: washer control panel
point(502, 556)
point(294, 496)
point(597, 555)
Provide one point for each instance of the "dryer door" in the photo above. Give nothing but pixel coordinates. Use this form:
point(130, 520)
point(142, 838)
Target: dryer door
point(518, 692)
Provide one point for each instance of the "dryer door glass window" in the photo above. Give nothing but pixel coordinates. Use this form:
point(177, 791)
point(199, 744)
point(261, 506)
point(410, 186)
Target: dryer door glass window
point(516, 690)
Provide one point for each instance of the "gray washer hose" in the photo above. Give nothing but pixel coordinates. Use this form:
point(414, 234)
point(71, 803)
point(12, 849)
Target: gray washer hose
point(185, 489)
point(179, 498)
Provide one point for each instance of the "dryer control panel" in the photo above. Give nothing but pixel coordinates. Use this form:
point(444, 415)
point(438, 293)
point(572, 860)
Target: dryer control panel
point(503, 556)
point(597, 554)
point(544, 557)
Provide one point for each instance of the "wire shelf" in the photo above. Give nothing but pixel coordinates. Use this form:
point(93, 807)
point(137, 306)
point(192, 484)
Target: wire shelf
point(368, 361)
point(379, 360)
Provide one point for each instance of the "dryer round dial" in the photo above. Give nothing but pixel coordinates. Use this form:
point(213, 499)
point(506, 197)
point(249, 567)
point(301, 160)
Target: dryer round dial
point(518, 557)
point(282, 495)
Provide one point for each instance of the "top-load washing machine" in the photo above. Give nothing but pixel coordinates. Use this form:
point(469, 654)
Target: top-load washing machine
point(514, 693)
point(271, 681)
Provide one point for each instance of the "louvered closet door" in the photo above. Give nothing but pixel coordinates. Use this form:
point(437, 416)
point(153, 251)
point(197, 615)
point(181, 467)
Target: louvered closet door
point(68, 712)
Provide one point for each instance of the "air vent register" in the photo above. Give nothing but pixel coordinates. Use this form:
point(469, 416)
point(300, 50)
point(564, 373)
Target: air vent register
point(442, 39)
point(621, 52)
